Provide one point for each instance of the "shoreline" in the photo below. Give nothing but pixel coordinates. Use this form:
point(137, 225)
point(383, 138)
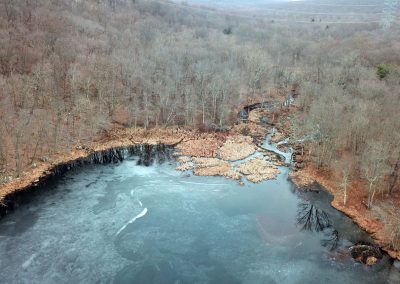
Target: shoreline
point(106, 150)
point(110, 149)
point(375, 228)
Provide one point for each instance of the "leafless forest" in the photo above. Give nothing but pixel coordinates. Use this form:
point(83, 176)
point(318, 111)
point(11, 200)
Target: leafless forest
point(71, 70)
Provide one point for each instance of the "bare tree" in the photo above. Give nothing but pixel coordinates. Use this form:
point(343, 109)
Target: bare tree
point(346, 178)
point(374, 166)
point(394, 161)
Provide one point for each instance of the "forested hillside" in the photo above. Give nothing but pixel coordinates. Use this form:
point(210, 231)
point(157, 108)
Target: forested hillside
point(71, 70)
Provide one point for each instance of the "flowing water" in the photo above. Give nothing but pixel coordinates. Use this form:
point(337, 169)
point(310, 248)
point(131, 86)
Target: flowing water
point(127, 223)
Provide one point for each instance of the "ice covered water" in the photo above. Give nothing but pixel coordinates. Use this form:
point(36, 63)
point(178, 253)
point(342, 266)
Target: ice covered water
point(126, 223)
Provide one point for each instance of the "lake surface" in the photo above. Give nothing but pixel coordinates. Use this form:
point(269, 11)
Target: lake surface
point(126, 223)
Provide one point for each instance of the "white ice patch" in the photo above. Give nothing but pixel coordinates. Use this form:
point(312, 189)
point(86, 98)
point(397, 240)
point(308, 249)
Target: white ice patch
point(144, 171)
point(157, 267)
point(140, 202)
point(171, 173)
point(27, 263)
point(199, 183)
point(140, 215)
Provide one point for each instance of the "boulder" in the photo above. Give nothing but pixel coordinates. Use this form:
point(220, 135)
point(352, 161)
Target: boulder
point(366, 254)
point(371, 260)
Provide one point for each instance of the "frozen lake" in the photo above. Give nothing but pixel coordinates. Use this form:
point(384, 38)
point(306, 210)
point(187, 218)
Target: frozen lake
point(125, 223)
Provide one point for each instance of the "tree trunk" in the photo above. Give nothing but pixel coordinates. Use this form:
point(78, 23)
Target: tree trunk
point(394, 175)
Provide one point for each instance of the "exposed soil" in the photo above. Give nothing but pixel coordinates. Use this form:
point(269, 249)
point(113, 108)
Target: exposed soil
point(203, 145)
point(258, 169)
point(237, 148)
point(210, 167)
point(255, 130)
point(215, 156)
point(277, 137)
